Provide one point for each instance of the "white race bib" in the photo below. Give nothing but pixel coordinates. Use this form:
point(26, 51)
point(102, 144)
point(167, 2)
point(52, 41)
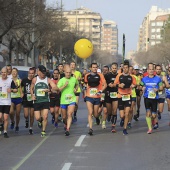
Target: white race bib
point(40, 92)
point(93, 91)
point(69, 98)
point(102, 96)
point(3, 95)
point(29, 97)
point(125, 97)
point(113, 95)
point(151, 95)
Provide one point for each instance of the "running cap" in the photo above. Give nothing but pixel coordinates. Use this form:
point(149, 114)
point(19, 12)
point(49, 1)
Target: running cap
point(42, 69)
point(136, 67)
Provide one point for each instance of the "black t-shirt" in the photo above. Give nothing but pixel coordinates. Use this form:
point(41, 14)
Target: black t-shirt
point(110, 78)
point(62, 75)
point(126, 79)
point(26, 84)
point(93, 80)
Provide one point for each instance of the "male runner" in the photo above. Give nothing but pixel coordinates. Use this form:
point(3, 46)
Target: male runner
point(125, 82)
point(151, 84)
point(96, 84)
point(27, 100)
point(68, 86)
point(111, 96)
point(39, 92)
point(78, 76)
point(55, 100)
point(161, 94)
point(5, 100)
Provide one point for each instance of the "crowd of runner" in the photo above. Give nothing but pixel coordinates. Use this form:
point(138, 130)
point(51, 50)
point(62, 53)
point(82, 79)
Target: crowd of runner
point(115, 88)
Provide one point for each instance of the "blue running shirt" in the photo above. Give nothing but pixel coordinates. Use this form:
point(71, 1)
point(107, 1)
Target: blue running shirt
point(150, 84)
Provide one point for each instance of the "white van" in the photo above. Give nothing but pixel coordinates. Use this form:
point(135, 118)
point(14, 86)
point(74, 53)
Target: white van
point(22, 71)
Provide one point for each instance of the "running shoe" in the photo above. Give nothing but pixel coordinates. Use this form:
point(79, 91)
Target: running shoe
point(129, 125)
point(149, 131)
point(159, 116)
point(12, 125)
point(30, 131)
point(156, 126)
point(16, 129)
point(113, 130)
point(125, 132)
point(135, 117)
point(56, 125)
point(121, 122)
point(39, 124)
point(90, 132)
point(67, 133)
point(26, 124)
point(53, 120)
point(104, 125)
point(75, 119)
point(97, 121)
point(6, 135)
point(43, 134)
point(108, 118)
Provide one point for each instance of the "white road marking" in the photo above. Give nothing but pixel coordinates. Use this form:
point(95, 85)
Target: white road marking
point(66, 166)
point(80, 140)
point(87, 125)
point(31, 152)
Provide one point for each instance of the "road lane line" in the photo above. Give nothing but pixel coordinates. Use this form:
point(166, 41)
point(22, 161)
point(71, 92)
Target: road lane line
point(87, 125)
point(80, 140)
point(66, 166)
point(31, 152)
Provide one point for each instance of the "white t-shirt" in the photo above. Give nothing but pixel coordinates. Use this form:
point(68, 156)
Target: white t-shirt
point(5, 97)
point(9, 76)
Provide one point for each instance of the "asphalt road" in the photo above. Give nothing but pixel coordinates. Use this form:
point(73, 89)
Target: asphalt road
point(103, 151)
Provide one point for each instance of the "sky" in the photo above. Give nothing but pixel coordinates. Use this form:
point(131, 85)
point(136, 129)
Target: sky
point(128, 14)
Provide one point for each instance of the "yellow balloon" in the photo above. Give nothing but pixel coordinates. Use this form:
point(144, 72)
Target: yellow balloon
point(83, 48)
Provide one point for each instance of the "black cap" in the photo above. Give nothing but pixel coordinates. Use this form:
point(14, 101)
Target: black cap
point(42, 69)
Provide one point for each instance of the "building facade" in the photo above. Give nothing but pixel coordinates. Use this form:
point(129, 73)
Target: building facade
point(85, 23)
point(110, 37)
point(150, 29)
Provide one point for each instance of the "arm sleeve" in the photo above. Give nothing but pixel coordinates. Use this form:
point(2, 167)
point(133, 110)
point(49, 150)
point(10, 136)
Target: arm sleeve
point(117, 80)
point(60, 83)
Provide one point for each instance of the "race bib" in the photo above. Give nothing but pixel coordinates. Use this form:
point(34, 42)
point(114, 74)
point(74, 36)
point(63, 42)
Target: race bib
point(29, 97)
point(93, 91)
point(102, 96)
point(151, 95)
point(40, 92)
point(14, 95)
point(68, 98)
point(113, 95)
point(125, 97)
point(3, 95)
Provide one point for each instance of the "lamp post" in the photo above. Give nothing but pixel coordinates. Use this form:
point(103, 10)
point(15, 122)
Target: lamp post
point(61, 48)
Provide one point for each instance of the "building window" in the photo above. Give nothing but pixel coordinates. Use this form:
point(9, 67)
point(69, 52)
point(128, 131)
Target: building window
point(153, 30)
point(153, 24)
point(153, 43)
point(159, 23)
point(158, 30)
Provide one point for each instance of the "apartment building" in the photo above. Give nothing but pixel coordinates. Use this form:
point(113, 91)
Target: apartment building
point(110, 37)
point(86, 23)
point(150, 29)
